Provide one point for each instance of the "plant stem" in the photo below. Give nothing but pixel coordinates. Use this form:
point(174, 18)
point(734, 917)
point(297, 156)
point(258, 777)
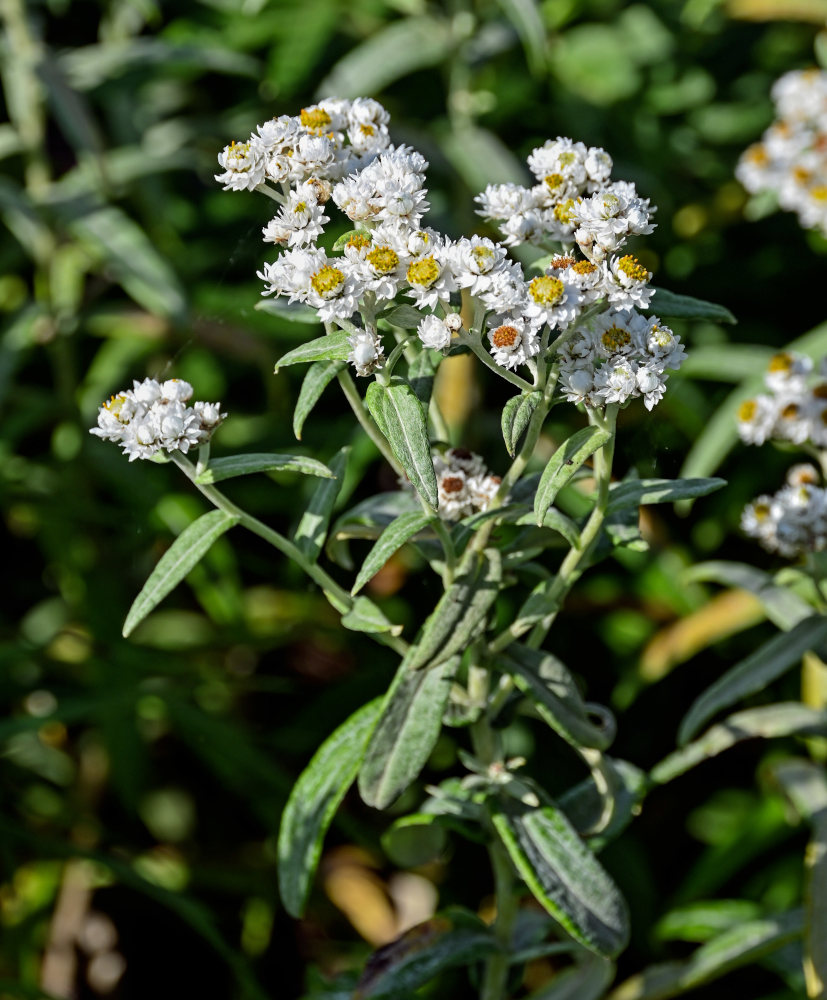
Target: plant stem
point(488, 361)
point(365, 419)
point(337, 595)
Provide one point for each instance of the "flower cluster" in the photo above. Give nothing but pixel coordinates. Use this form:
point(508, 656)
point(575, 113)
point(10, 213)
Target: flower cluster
point(153, 416)
point(794, 410)
point(792, 521)
point(465, 485)
point(791, 158)
point(580, 296)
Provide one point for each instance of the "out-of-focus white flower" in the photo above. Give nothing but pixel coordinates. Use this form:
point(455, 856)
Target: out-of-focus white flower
point(464, 485)
point(792, 521)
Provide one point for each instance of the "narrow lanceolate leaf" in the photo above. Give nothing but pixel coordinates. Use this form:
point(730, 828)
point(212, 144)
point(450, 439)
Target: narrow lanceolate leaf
point(459, 614)
point(742, 945)
point(312, 527)
point(391, 540)
point(314, 801)
point(640, 492)
point(293, 312)
point(563, 874)
point(517, 413)
point(553, 691)
point(784, 719)
point(401, 419)
point(187, 549)
point(674, 306)
point(585, 981)
point(755, 672)
point(245, 465)
point(421, 372)
point(365, 616)
point(805, 785)
point(409, 726)
point(564, 463)
point(584, 804)
point(334, 347)
point(453, 937)
point(784, 608)
point(318, 376)
point(404, 316)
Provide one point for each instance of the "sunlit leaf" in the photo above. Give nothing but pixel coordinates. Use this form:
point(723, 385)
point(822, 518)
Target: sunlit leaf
point(244, 465)
point(564, 463)
point(390, 541)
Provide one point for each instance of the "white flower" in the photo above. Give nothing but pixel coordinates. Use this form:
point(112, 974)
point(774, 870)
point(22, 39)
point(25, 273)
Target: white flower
point(464, 484)
point(627, 284)
point(430, 279)
point(434, 332)
point(507, 291)
point(756, 419)
point(552, 300)
point(474, 261)
point(501, 201)
point(513, 342)
point(243, 165)
point(787, 372)
point(365, 352)
point(606, 219)
point(300, 221)
point(381, 270)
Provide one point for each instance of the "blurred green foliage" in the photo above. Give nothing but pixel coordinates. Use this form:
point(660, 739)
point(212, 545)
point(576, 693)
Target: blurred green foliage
point(142, 780)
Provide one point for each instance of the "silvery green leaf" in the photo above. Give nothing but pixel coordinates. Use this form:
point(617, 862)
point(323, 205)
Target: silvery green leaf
point(516, 415)
point(674, 306)
point(554, 519)
point(293, 312)
point(342, 240)
point(184, 553)
point(480, 157)
point(452, 937)
point(783, 607)
point(754, 673)
point(726, 362)
point(390, 541)
point(312, 528)
point(563, 874)
point(459, 614)
point(365, 616)
point(782, 719)
point(244, 465)
point(528, 23)
point(584, 803)
point(313, 803)
point(333, 347)
point(319, 375)
point(742, 945)
point(550, 687)
point(406, 317)
point(390, 53)
point(421, 372)
point(587, 980)
point(704, 919)
point(401, 418)
point(564, 463)
point(640, 492)
point(408, 728)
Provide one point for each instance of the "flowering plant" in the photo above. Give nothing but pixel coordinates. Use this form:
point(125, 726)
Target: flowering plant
point(396, 299)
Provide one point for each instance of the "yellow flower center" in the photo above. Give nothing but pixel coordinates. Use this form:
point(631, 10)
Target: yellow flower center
point(584, 267)
point(546, 291)
point(790, 411)
point(566, 159)
point(328, 281)
point(505, 336)
point(357, 241)
point(761, 511)
point(301, 207)
point(314, 118)
point(115, 404)
point(819, 192)
point(747, 411)
point(782, 362)
point(483, 256)
point(801, 174)
point(757, 154)
point(563, 211)
point(383, 259)
point(367, 130)
point(554, 181)
point(615, 338)
point(632, 268)
point(423, 272)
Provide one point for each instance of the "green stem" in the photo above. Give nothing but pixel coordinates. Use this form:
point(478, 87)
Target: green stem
point(365, 419)
point(476, 346)
point(338, 596)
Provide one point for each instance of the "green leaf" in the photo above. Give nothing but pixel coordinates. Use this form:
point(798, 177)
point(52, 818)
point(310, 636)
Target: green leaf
point(584, 804)
point(564, 463)
point(244, 465)
point(313, 803)
point(312, 528)
point(333, 347)
point(674, 306)
point(528, 23)
point(587, 980)
point(315, 381)
point(389, 54)
point(421, 372)
point(459, 613)
point(742, 945)
point(365, 616)
point(453, 937)
point(342, 240)
point(754, 673)
point(639, 492)
point(127, 254)
point(517, 413)
point(408, 728)
point(401, 419)
point(726, 362)
point(293, 312)
point(768, 722)
point(554, 693)
point(783, 607)
point(391, 540)
point(184, 553)
point(480, 157)
point(406, 317)
point(563, 874)
point(702, 920)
